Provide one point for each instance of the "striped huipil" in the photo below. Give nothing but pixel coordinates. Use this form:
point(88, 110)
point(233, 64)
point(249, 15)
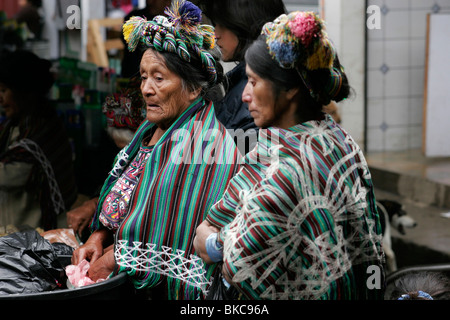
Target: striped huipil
point(185, 174)
point(299, 219)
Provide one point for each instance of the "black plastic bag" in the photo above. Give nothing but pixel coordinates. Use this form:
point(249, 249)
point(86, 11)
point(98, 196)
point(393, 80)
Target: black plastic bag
point(28, 264)
point(218, 290)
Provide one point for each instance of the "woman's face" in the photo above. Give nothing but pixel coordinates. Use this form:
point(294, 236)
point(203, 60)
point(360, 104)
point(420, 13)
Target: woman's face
point(162, 90)
point(227, 41)
point(267, 109)
point(7, 102)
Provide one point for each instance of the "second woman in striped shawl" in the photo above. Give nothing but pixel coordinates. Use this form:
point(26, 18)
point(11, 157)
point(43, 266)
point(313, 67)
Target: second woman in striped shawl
point(303, 223)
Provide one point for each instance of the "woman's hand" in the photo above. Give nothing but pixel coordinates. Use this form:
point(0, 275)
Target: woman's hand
point(202, 233)
point(93, 248)
point(102, 267)
point(78, 219)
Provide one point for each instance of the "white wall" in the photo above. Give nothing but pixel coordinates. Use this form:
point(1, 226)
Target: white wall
point(346, 23)
point(61, 40)
point(50, 31)
point(396, 72)
point(90, 10)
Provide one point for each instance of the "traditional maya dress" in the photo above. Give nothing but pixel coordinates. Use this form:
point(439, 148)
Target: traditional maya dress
point(168, 189)
point(300, 220)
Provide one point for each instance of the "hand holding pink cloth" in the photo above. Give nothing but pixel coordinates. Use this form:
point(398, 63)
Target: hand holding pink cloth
point(77, 274)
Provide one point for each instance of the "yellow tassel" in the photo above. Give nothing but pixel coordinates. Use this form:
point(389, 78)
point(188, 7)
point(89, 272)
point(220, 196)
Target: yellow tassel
point(322, 58)
point(208, 36)
point(128, 28)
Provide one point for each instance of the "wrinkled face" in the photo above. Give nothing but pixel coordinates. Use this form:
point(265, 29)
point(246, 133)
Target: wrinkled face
point(227, 41)
point(162, 91)
point(7, 102)
point(267, 109)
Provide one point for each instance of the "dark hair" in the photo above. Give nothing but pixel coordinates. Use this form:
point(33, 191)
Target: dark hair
point(245, 18)
point(192, 73)
point(26, 72)
point(36, 3)
point(30, 80)
point(261, 62)
point(436, 284)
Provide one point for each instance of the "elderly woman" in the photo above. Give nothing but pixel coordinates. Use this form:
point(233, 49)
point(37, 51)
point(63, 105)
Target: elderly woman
point(175, 168)
point(299, 220)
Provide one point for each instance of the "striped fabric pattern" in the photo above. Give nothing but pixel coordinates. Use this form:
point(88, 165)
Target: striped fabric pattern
point(299, 219)
point(186, 173)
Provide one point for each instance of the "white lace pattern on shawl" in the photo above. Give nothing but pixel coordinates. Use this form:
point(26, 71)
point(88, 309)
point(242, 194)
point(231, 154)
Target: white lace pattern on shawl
point(55, 193)
point(338, 257)
point(165, 261)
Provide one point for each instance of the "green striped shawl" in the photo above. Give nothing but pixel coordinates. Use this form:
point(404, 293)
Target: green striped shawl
point(186, 173)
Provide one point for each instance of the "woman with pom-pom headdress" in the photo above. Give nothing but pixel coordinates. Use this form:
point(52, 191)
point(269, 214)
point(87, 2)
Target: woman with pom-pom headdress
point(299, 220)
point(174, 169)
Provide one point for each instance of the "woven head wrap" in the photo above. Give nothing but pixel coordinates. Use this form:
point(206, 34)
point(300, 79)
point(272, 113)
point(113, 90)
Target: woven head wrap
point(299, 41)
point(180, 32)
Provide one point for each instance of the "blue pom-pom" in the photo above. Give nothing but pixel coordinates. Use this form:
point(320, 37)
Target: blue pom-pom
point(190, 11)
point(284, 53)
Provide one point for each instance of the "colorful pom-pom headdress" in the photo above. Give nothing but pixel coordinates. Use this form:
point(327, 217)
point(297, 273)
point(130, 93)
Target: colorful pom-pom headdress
point(299, 41)
point(180, 31)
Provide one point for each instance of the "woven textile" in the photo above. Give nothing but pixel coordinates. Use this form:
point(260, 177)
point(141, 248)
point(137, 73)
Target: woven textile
point(300, 220)
point(186, 173)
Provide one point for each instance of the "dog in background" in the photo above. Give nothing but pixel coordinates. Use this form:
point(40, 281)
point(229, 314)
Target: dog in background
point(392, 215)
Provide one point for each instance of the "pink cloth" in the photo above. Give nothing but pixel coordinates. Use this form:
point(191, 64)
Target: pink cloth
point(77, 274)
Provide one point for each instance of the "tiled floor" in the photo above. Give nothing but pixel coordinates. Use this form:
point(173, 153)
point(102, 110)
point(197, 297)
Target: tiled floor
point(412, 162)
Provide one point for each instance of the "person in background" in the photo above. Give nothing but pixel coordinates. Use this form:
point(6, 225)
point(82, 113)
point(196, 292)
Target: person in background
point(299, 220)
point(237, 24)
point(29, 14)
point(37, 182)
point(131, 60)
point(176, 167)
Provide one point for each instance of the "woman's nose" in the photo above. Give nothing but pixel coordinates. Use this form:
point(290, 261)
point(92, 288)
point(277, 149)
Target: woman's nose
point(147, 88)
point(246, 96)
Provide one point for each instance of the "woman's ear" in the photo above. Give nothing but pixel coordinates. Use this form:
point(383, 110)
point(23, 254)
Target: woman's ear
point(195, 93)
point(291, 93)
